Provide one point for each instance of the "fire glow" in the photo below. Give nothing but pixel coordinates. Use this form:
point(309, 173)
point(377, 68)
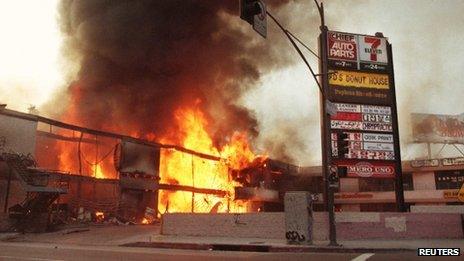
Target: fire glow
point(176, 168)
point(188, 170)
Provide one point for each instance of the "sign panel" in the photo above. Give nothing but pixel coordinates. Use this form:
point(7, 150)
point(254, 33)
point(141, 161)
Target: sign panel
point(358, 125)
point(370, 155)
point(359, 79)
point(343, 50)
point(343, 46)
point(452, 161)
point(373, 49)
point(359, 95)
point(357, 52)
point(425, 163)
point(378, 146)
point(434, 128)
point(362, 117)
point(348, 107)
point(376, 118)
point(376, 109)
point(461, 193)
point(360, 85)
point(450, 194)
point(331, 107)
point(372, 146)
point(367, 169)
point(373, 137)
point(436, 162)
point(347, 116)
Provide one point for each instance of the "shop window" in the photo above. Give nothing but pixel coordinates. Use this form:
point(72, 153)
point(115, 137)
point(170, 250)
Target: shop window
point(454, 203)
point(378, 207)
point(372, 184)
point(449, 179)
point(407, 181)
point(315, 185)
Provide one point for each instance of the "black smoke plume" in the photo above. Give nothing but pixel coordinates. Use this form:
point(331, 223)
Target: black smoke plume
point(141, 60)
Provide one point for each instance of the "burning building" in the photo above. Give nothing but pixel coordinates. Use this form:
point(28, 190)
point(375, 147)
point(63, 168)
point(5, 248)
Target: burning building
point(126, 176)
point(157, 73)
point(151, 178)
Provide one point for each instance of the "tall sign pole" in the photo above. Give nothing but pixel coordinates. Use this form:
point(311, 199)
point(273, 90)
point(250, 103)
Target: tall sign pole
point(327, 167)
point(399, 190)
point(359, 119)
point(363, 134)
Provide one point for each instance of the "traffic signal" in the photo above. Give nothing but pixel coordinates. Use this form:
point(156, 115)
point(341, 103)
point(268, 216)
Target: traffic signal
point(343, 145)
point(333, 177)
point(248, 9)
point(342, 171)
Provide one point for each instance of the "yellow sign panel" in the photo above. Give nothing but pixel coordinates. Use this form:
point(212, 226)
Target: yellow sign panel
point(461, 193)
point(450, 194)
point(359, 79)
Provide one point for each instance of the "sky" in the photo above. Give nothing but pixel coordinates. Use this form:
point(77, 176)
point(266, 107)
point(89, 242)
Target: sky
point(427, 38)
point(29, 53)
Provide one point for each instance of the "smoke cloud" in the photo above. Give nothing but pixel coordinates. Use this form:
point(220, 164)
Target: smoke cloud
point(139, 61)
point(427, 43)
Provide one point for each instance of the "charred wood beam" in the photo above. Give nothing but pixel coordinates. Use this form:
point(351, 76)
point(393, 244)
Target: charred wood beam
point(128, 138)
point(104, 133)
point(65, 138)
point(220, 193)
point(199, 154)
point(125, 137)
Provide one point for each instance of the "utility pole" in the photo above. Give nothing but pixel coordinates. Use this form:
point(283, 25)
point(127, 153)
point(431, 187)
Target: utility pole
point(250, 8)
point(325, 128)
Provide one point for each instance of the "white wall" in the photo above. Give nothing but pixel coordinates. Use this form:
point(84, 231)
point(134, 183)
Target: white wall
point(424, 180)
point(19, 134)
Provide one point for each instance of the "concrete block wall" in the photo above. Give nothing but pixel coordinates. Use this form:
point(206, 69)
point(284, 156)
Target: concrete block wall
point(438, 209)
point(252, 225)
point(402, 226)
point(5, 222)
point(16, 195)
point(350, 225)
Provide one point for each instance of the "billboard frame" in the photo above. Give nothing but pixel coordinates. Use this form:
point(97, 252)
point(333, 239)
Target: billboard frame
point(328, 160)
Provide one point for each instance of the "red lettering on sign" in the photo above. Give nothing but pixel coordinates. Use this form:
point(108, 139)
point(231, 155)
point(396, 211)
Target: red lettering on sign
point(347, 116)
point(363, 168)
point(375, 42)
point(342, 46)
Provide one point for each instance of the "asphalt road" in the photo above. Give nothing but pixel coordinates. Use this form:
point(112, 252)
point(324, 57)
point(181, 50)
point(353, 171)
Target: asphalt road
point(55, 252)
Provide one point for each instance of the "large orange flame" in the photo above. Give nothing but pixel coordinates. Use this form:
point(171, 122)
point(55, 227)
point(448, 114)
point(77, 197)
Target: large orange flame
point(189, 170)
point(176, 167)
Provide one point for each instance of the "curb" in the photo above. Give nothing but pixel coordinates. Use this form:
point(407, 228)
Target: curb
point(262, 248)
point(8, 236)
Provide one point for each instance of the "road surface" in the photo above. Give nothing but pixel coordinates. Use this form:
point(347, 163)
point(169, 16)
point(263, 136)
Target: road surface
point(55, 252)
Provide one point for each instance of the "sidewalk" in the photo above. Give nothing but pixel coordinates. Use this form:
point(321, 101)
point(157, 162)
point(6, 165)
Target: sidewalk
point(8, 236)
point(269, 245)
point(149, 236)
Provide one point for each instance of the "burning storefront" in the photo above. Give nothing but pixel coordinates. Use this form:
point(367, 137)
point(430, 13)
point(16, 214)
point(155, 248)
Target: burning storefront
point(176, 138)
point(136, 179)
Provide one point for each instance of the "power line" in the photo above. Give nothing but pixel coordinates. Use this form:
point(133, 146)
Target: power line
point(304, 45)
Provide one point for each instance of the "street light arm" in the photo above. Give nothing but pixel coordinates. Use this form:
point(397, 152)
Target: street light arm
point(286, 32)
point(320, 8)
point(304, 45)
